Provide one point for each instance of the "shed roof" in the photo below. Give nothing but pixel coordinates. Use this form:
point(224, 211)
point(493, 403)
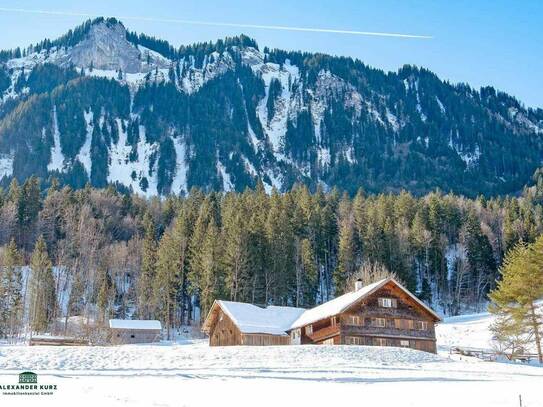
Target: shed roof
point(252, 319)
point(345, 301)
point(143, 324)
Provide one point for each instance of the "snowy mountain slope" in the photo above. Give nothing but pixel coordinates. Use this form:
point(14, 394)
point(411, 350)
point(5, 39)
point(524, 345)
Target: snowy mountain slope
point(225, 115)
point(317, 375)
point(470, 330)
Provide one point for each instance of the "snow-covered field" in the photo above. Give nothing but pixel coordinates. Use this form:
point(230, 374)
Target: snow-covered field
point(193, 374)
point(465, 330)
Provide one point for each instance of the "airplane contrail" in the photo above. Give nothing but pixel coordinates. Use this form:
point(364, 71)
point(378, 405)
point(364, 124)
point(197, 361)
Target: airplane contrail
point(223, 24)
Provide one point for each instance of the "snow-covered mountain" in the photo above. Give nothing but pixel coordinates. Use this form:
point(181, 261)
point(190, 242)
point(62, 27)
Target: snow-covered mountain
point(104, 105)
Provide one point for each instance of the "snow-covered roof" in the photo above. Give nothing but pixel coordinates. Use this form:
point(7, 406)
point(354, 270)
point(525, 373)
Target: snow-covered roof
point(335, 306)
point(345, 301)
point(251, 319)
point(134, 324)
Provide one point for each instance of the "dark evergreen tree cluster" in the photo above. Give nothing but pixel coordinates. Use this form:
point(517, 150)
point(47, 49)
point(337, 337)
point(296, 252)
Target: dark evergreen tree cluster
point(110, 254)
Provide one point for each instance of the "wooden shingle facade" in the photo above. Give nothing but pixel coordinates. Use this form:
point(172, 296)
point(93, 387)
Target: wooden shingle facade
point(381, 314)
point(124, 331)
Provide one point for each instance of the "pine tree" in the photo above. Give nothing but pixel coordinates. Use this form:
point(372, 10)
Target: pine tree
point(206, 215)
point(212, 279)
point(258, 244)
point(42, 288)
point(181, 238)
point(480, 258)
point(75, 299)
point(148, 268)
point(347, 250)
point(28, 208)
point(425, 293)
point(14, 191)
point(510, 335)
point(280, 274)
point(236, 253)
point(514, 301)
point(104, 300)
point(306, 274)
point(166, 284)
point(11, 301)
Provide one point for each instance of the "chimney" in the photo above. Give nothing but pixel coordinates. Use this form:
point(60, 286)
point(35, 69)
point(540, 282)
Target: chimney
point(358, 284)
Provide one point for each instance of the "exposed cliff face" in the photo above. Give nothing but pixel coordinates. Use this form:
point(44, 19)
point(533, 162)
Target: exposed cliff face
point(224, 115)
point(104, 47)
point(107, 48)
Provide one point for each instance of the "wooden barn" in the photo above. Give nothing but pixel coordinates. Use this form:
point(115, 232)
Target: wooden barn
point(134, 331)
point(382, 314)
point(236, 323)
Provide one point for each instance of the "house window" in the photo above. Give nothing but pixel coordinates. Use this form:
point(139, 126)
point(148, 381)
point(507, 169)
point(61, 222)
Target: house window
point(388, 302)
point(295, 334)
point(354, 340)
point(329, 341)
point(309, 330)
point(380, 342)
point(379, 322)
point(404, 324)
point(354, 320)
point(404, 343)
point(421, 325)
point(132, 336)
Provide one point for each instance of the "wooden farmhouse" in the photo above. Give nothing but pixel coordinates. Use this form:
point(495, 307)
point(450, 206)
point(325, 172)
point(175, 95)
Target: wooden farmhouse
point(134, 331)
point(237, 323)
point(380, 314)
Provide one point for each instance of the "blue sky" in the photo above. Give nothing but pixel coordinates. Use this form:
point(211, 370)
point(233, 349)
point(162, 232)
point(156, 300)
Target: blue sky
point(481, 42)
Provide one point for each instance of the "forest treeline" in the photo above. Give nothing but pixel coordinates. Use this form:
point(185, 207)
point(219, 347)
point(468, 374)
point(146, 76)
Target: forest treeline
point(100, 253)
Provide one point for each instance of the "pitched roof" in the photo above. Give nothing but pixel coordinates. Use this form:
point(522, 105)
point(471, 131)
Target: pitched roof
point(345, 301)
point(251, 319)
point(134, 324)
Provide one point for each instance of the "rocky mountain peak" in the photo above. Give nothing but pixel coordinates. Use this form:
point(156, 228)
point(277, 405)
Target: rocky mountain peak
point(106, 47)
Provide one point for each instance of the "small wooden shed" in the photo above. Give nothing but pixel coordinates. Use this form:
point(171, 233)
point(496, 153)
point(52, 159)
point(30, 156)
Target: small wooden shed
point(134, 331)
point(235, 323)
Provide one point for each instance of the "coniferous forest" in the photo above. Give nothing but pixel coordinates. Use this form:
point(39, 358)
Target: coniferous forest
point(100, 253)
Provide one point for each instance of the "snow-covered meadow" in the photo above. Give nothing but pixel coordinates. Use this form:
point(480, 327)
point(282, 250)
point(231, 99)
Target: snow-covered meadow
point(193, 374)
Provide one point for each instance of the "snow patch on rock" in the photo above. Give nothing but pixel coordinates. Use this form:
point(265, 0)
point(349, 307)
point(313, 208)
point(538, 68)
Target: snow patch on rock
point(6, 165)
point(84, 153)
point(57, 158)
point(225, 177)
point(214, 65)
point(179, 183)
